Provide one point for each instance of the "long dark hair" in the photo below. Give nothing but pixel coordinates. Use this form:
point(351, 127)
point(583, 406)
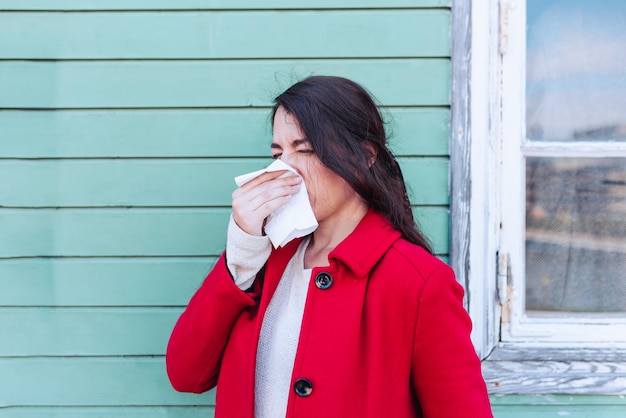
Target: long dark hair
point(343, 124)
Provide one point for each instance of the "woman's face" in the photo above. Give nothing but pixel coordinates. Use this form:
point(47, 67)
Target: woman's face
point(328, 192)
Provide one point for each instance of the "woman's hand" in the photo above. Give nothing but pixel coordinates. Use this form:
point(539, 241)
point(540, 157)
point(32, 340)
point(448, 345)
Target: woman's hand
point(254, 201)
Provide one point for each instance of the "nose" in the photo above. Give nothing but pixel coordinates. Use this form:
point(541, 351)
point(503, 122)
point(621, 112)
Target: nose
point(293, 162)
point(289, 159)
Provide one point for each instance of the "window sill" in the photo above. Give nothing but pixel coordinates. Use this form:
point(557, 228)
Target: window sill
point(567, 371)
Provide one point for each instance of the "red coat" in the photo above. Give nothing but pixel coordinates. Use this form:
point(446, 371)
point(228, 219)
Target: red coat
point(388, 338)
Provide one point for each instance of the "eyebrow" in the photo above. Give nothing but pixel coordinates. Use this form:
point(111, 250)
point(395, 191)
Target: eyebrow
point(295, 143)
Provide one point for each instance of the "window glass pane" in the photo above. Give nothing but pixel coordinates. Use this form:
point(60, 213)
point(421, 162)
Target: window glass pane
point(576, 70)
point(576, 234)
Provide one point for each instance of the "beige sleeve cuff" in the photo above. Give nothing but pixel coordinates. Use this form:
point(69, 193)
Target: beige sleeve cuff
point(245, 254)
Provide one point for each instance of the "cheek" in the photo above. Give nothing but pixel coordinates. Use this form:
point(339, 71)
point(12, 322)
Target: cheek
point(314, 189)
point(313, 179)
point(326, 190)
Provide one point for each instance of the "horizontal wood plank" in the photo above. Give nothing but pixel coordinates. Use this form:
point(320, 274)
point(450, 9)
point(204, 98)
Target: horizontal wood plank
point(213, 4)
point(564, 370)
point(85, 331)
point(220, 35)
point(108, 412)
point(142, 232)
point(555, 377)
point(187, 133)
point(426, 180)
point(594, 401)
point(76, 381)
point(122, 183)
point(101, 281)
point(170, 183)
point(434, 224)
point(113, 232)
point(517, 353)
point(560, 406)
point(149, 84)
point(97, 281)
point(85, 282)
point(418, 131)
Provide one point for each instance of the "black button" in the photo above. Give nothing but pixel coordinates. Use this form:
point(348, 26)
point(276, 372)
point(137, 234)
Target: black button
point(323, 280)
point(303, 387)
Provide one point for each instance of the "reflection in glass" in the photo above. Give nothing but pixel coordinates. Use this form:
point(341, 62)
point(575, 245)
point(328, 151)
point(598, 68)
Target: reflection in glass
point(576, 234)
point(576, 70)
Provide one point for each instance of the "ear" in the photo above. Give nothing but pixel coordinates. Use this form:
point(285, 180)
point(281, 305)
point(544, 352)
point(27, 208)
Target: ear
point(371, 151)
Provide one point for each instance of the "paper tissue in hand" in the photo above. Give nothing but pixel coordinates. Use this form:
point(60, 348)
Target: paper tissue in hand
point(294, 219)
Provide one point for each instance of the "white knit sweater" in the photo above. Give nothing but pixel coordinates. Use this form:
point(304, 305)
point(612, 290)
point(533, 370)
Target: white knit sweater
point(280, 330)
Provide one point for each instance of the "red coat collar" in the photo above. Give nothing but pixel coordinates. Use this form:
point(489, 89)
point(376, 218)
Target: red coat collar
point(365, 246)
point(359, 251)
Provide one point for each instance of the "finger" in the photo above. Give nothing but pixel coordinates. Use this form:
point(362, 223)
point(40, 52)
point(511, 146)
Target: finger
point(256, 198)
point(252, 207)
point(251, 218)
point(253, 191)
point(265, 177)
point(273, 205)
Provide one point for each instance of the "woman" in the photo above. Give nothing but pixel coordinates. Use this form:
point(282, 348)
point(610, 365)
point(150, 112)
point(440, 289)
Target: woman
point(358, 319)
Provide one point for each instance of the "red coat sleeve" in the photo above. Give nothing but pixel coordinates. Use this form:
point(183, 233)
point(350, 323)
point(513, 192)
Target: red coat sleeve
point(446, 371)
point(195, 348)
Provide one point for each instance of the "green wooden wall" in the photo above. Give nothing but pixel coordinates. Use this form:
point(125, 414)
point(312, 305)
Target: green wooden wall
point(122, 124)
point(555, 406)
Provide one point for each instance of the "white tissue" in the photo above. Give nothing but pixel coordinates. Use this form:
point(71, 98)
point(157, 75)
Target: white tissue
point(294, 219)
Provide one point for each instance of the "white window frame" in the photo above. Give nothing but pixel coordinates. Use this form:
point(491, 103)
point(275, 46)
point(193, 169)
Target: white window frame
point(475, 96)
point(569, 355)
